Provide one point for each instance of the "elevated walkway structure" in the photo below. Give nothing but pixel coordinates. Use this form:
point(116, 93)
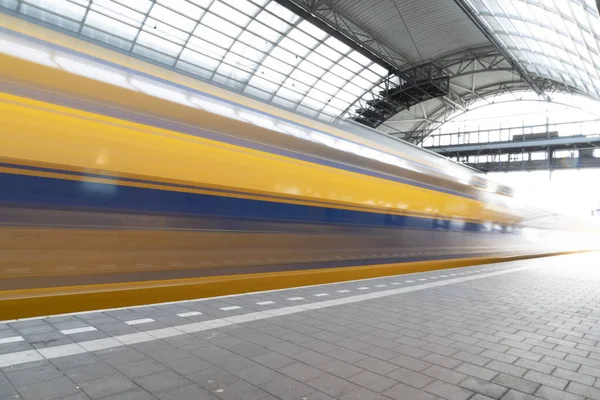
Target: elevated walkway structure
point(522, 148)
point(514, 330)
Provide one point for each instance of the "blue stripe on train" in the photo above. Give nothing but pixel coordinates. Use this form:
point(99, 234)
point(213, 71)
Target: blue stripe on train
point(36, 191)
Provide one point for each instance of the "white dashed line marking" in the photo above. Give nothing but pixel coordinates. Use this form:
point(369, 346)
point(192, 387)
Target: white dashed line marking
point(343, 291)
point(60, 351)
point(321, 294)
point(230, 308)
point(409, 281)
point(434, 277)
point(11, 339)
point(363, 288)
point(78, 330)
point(396, 283)
point(423, 279)
point(265, 303)
point(189, 314)
point(380, 285)
point(295, 298)
point(443, 276)
point(139, 321)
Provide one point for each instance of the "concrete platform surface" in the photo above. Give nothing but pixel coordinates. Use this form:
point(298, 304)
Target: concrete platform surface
point(513, 331)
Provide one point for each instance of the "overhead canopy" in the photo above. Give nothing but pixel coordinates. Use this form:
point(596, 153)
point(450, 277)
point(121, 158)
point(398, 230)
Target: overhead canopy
point(403, 66)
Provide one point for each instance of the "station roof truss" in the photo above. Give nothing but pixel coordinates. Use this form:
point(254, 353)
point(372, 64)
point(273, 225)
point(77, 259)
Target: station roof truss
point(403, 67)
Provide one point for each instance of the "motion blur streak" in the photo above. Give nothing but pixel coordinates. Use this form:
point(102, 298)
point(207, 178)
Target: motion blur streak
point(116, 181)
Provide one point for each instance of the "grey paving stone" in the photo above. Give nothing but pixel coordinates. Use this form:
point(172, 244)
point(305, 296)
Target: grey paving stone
point(483, 387)
point(544, 379)
point(534, 365)
point(273, 360)
point(471, 358)
point(89, 372)
point(518, 384)
point(444, 374)
point(311, 357)
point(188, 392)
point(258, 374)
point(287, 389)
point(363, 394)
point(404, 392)
point(33, 375)
point(372, 381)
point(516, 395)
point(549, 393)
point(584, 390)
point(476, 371)
point(300, 371)
point(410, 351)
point(441, 360)
point(447, 391)
point(107, 386)
point(346, 355)
point(134, 394)
point(240, 390)
point(340, 368)
point(162, 381)
point(331, 385)
point(509, 369)
point(410, 363)
point(76, 360)
point(137, 369)
point(48, 390)
point(187, 365)
point(410, 377)
point(574, 376)
point(499, 356)
point(212, 378)
point(378, 366)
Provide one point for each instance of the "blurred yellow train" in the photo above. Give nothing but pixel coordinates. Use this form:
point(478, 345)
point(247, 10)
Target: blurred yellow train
point(120, 188)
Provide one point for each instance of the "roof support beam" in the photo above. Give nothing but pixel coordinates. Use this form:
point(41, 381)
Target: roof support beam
point(472, 14)
point(346, 31)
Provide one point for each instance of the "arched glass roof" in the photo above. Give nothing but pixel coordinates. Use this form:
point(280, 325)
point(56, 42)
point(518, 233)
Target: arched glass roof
point(256, 47)
point(555, 39)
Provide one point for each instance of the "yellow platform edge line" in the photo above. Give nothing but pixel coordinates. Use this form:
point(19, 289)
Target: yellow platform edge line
point(52, 301)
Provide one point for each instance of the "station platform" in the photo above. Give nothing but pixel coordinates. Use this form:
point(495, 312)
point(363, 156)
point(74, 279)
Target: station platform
point(519, 330)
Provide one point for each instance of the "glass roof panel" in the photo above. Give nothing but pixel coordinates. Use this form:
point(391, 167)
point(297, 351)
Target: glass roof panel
point(256, 47)
point(562, 30)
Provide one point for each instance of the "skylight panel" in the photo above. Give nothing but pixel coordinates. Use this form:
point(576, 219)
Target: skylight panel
point(219, 24)
point(303, 38)
point(204, 47)
point(263, 84)
point(312, 30)
point(154, 42)
point(264, 31)
point(240, 62)
point(284, 55)
point(296, 85)
point(272, 21)
point(116, 11)
point(359, 58)
point(326, 87)
point(244, 6)
point(247, 52)
point(290, 95)
point(311, 68)
point(331, 78)
point(198, 59)
point(229, 13)
point(328, 52)
point(294, 47)
point(183, 7)
point(282, 12)
point(230, 71)
point(213, 36)
point(319, 60)
point(254, 41)
point(277, 65)
point(271, 75)
point(171, 18)
point(302, 76)
point(110, 25)
point(350, 65)
point(61, 7)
